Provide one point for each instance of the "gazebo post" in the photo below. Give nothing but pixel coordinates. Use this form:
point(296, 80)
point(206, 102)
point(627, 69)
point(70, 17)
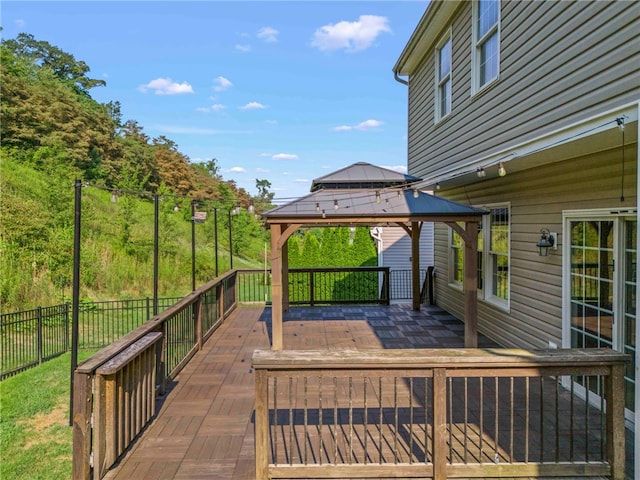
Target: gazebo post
point(470, 285)
point(276, 288)
point(416, 228)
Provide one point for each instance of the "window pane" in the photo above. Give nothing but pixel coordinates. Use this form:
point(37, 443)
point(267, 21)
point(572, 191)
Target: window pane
point(489, 59)
point(445, 98)
point(487, 16)
point(445, 60)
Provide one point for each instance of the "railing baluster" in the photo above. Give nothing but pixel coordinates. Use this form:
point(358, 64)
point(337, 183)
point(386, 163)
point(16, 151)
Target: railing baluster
point(496, 457)
point(290, 420)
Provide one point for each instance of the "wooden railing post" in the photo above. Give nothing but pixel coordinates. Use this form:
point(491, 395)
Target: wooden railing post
point(439, 424)
point(615, 422)
point(82, 410)
point(262, 425)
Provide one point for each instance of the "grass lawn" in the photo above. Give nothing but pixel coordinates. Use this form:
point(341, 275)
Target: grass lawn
point(35, 436)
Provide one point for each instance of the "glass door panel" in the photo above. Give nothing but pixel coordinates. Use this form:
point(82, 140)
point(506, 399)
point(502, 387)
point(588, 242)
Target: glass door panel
point(629, 308)
point(592, 269)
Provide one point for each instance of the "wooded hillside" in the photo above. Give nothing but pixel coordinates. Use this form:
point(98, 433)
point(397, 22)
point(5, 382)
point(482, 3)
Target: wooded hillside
point(54, 132)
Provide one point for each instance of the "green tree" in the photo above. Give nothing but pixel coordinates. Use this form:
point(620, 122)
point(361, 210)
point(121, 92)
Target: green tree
point(63, 65)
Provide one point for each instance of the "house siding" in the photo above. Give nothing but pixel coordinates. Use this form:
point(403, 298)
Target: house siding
point(396, 254)
point(537, 198)
point(581, 58)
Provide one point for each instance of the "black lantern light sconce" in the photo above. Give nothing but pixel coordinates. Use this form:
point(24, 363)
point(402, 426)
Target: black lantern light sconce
point(547, 242)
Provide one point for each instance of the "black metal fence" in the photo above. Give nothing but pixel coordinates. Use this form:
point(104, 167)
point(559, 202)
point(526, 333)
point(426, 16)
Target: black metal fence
point(31, 337)
point(311, 286)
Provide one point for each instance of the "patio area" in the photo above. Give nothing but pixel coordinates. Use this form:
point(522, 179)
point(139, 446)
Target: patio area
point(204, 427)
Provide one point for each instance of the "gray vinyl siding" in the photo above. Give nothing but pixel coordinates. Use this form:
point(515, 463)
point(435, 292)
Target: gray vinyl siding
point(537, 198)
point(560, 62)
point(397, 247)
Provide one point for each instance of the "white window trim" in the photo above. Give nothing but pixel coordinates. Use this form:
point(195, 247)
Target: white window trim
point(476, 88)
point(438, 82)
point(486, 294)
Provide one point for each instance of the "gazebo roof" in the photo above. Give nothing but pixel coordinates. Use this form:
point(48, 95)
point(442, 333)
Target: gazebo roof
point(370, 206)
point(362, 175)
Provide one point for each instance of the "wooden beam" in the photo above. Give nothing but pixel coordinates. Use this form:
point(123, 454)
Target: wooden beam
point(276, 288)
point(469, 235)
point(416, 228)
point(470, 285)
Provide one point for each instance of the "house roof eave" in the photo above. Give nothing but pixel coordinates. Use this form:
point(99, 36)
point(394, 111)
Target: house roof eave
point(436, 17)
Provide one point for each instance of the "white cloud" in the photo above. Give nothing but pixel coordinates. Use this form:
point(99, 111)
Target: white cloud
point(244, 48)
point(234, 170)
point(221, 84)
point(20, 23)
point(262, 170)
point(216, 107)
point(285, 156)
point(396, 168)
point(301, 180)
point(350, 36)
point(366, 125)
point(272, 122)
point(268, 34)
point(166, 86)
point(253, 106)
point(264, 154)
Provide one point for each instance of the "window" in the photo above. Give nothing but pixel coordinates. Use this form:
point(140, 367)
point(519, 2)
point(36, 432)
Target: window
point(493, 261)
point(443, 76)
point(486, 40)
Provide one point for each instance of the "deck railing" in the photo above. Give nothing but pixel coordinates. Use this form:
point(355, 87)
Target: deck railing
point(439, 413)
point(112, 391)
point(321, 286)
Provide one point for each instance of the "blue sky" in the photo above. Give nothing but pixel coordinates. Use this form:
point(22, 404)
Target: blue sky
point(284, 91)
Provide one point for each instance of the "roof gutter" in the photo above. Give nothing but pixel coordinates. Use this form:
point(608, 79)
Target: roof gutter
point(398, 79)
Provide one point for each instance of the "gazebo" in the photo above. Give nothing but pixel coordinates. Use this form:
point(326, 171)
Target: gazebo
point(364, 194)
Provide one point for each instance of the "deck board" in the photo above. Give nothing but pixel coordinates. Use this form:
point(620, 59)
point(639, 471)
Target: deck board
point(204, 423)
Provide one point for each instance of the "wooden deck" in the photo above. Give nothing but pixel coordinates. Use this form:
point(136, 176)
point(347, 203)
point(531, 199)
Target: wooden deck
point(204, 427)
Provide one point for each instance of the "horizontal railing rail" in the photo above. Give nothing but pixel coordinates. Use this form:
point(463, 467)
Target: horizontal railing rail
point(185, 326)
point(439, 413)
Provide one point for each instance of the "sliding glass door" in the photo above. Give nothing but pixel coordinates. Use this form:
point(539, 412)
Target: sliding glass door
point(602, 288)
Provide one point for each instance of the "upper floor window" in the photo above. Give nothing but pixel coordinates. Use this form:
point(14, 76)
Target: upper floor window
point(486, 37)
point(443, 76)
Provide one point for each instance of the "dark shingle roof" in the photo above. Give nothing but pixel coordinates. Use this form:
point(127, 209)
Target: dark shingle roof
point(362, 175)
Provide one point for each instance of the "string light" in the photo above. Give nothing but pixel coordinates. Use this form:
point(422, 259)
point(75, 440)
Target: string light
point(324, 215)
point(501, 170)
point(317, 207)
point(481, 173)
point(378, 197)
point(416, 194)
point(335, 205)
point(438, 186)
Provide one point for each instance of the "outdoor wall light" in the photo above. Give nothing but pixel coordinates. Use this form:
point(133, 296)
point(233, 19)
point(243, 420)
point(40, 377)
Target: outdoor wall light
point(481, 173)
point(501, 170)
point(416, 194)
point(547, 242)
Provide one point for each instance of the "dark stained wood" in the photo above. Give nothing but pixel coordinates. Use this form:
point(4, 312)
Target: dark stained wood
point(204, 427)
